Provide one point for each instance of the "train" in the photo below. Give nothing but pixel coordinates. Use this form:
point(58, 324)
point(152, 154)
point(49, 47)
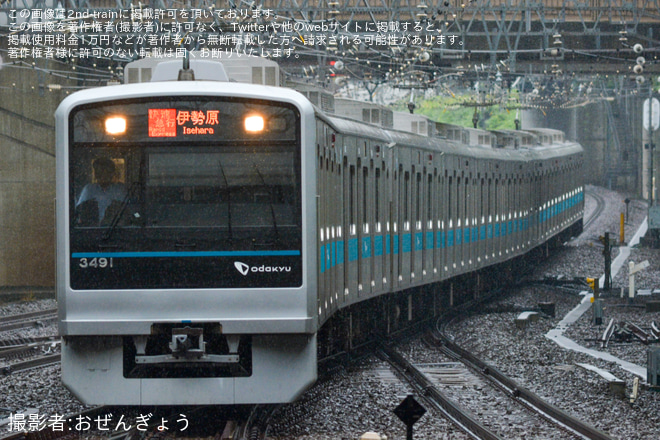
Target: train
point(209, 231)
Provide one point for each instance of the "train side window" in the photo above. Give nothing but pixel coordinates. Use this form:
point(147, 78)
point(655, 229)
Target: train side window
point(365, 198)
point(351, 202)
point(377, 200)
point(438, 199)
point(429, 200)
point(406, 202)
point(449, 198)
point(459, 213)
point(418, 201)
point(482, 201)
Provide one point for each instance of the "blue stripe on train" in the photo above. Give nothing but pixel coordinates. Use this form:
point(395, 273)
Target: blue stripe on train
point(352, 249)
point(366, 247)
point(185, 254)
point(332, 254)
point(378, 245)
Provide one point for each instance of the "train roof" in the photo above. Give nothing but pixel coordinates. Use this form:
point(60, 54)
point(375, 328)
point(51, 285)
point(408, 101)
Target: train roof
point(395, 137)
point(239, 68)
point(189, 88)
point(365, 111)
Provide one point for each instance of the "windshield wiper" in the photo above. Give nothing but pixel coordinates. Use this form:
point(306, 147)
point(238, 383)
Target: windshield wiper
point(270, 201)
point(224, 177)
point(120, 212)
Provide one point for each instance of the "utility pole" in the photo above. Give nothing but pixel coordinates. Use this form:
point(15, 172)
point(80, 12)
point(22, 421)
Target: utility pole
point(651, 187)
point(652, 107)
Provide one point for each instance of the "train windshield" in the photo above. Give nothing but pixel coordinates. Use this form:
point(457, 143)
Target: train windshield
point(185, 193)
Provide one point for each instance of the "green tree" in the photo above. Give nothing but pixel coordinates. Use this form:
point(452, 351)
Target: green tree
point(456, 111)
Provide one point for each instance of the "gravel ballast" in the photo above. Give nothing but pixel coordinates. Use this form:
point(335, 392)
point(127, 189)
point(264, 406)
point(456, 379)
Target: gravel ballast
point(362, 398)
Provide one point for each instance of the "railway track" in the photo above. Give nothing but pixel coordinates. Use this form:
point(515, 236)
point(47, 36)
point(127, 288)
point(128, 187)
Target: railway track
point(483, 401)
point(6, 344)
point(24, 320)
point(39, 361)
point(534, 403)
point(34, 352)
point(435, 398)
point(600, 207)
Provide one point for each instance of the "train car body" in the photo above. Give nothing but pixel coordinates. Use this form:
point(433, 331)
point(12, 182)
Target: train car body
point(418, 210)
point(197, 284)
point(244, 218)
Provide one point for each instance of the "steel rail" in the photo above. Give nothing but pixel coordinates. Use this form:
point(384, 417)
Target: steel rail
point(433, 396)
point(518, 392)
point(32, 363)
point(13, 322)
point(7, 344)
point(600, 207)
point(25, 350)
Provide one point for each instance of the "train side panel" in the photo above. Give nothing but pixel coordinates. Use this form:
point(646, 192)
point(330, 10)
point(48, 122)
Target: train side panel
point(451, 209)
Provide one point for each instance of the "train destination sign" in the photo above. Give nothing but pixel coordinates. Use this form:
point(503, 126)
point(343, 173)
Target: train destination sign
point(184, 120)
point(164, 122)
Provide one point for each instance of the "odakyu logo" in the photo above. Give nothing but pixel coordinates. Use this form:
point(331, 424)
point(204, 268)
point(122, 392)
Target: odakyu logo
point(245, 269)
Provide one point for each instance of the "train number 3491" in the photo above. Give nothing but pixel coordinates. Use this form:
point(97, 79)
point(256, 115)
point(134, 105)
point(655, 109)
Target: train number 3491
point(101, 263)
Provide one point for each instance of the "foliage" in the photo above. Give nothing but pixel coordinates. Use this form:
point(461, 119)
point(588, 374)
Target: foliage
point(456, 110)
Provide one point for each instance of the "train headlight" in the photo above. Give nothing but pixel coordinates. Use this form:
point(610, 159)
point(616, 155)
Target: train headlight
point(254, 123)
point(115, 125)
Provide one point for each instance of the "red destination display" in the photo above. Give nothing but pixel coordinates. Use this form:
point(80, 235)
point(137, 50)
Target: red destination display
point(163, 122)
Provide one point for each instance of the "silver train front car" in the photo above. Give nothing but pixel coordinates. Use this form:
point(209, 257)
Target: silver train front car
point(193, 281)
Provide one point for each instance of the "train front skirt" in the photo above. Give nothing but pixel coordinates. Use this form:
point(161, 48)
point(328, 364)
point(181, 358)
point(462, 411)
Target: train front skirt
point(282, 367)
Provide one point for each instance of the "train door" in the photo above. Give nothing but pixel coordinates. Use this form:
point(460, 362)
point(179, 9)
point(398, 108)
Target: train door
point(384, 216)
point(528, 208)
point(488, 212)
point(538, 205)
point(392, 229)
point(321, 216)
point(440, 210)
point(329, 222)
point(542, 206)
point(507, 215)
point(515, 237)
point(467, 231)
point(365, 243)
point(350, 223)
point(469, 235)
point(429, 224)
point(557, 194)
point(450, 223)
point(460, 223)
point(379, 258)
point(403, 247)
point(481, 218)
point(497, 201)
point(521, 209)
point(508, 223)
point(417, 234)
point(338, 231)
point(325, 288)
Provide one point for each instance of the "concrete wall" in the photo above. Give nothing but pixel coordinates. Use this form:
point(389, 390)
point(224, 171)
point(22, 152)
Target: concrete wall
point(27, 174)
point(586, 125)
point(613, 144)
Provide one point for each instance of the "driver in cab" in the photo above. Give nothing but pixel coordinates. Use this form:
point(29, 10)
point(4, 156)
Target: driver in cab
point(96, 201)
